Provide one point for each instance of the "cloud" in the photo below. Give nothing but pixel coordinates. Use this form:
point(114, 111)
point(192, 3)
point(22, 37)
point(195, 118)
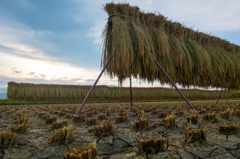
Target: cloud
point(92, 14)
point(3, 86)
point(96, 34)
point(12, 42)
point(38, 69)
point(149, 2)
point(15, 71)
point(61, 80)
point(90, 80)
point(76, 79)
point(43, 75)
point(19, 39)
point(31, 73)
point(64, 45)
point(16, 50)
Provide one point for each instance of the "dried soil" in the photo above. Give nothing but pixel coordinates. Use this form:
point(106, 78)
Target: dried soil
point(34, 143)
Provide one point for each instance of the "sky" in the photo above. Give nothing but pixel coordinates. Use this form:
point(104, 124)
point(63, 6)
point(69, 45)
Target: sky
point(59, 41)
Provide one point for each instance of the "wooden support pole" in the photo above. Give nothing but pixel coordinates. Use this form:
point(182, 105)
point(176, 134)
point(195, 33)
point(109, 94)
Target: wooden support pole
point(131, 90)
point(227, 97)
point(174, 85)
point(84, 101)
point(219, 96)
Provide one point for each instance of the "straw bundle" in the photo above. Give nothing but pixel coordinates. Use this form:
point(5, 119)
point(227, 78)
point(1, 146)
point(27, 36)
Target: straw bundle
point(58, 125)
point(228, 128)
point(8, 139)
point(189, 57)
point(226, 114)
point(140, 123)
point(152, 145)
point(65, 135)
point(82, 153)
point(195, 135)
point(107, 128)
point(170, 121)
point(193, 118)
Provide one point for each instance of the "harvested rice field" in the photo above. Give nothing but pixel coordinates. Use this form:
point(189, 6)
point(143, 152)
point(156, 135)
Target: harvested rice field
point(143, 45)
point(117, 130)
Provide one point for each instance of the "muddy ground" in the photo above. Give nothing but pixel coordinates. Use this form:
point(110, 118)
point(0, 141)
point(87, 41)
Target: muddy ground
point(35, 141)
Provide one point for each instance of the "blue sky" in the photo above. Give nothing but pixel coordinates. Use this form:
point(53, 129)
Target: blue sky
point(59, 41)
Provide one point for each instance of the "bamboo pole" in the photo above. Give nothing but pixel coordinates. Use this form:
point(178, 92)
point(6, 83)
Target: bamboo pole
point(227, 97)
point(131, 90)
point(174, 84)
point(219, 95)
point(84, 101)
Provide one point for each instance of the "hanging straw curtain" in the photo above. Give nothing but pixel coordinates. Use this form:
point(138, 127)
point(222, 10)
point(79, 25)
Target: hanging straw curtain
point(190, 58)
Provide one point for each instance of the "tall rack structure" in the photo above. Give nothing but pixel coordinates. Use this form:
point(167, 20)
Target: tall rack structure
point(150, 47)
